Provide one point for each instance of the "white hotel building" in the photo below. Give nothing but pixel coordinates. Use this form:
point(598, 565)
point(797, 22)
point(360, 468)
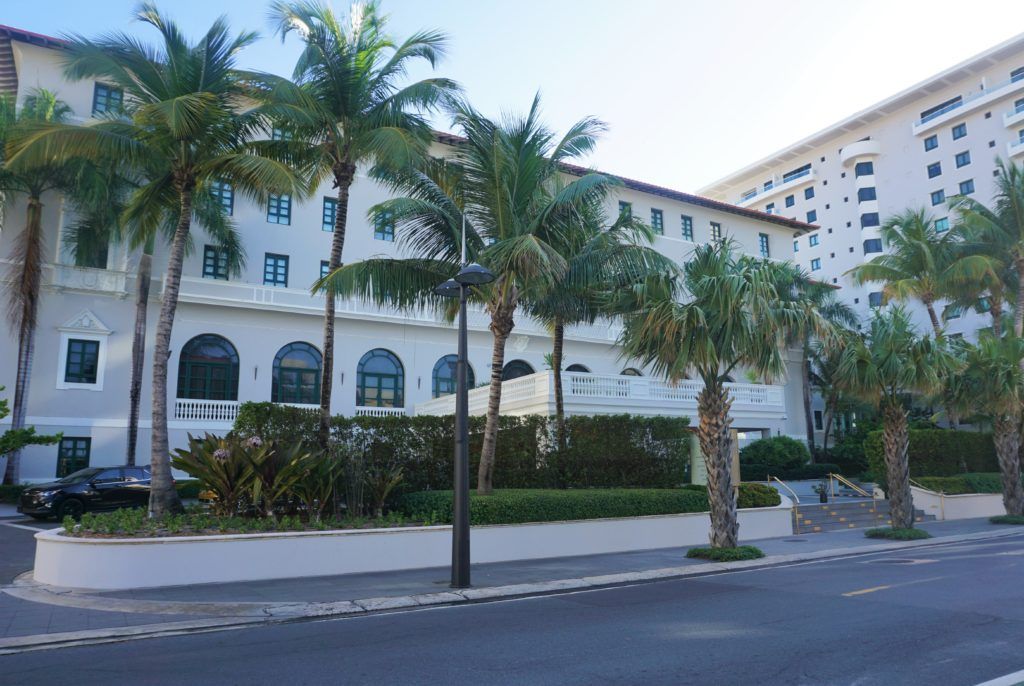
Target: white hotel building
point(918, 148)
point(256, 336)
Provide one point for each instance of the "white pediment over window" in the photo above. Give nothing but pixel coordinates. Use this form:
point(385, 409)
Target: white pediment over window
point(85, 322)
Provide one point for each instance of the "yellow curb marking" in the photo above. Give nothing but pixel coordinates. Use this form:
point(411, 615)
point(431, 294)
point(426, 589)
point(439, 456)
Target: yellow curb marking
point(866, 590)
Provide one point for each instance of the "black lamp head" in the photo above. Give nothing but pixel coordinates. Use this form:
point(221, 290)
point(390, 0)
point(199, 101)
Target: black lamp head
point(449, 289)
point(474, 275)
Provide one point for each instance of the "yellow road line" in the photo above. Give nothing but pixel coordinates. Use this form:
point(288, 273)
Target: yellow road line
point(866, 590)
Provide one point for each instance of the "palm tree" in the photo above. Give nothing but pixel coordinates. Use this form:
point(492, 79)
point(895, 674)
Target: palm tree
point(503, 180)
point(351, 111)
point(724, 312)
point(30, 181)
point(823, 366)
point(993, 384)
point(598, 260)
point(885, 366)
point(184, 129)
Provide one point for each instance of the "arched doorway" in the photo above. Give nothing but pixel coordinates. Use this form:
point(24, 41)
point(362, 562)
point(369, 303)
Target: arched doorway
point(380, 380)
point(208, 369)
point(296, 379)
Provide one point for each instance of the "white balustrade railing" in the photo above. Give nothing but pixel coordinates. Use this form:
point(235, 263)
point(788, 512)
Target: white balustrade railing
point(187, 409)
point(381, 411)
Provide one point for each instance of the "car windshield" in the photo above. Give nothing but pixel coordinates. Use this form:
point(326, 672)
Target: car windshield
point(81, 476)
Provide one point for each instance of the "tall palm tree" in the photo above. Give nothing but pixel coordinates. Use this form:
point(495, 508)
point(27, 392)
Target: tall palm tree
point(503, 179)
point(823, 366)
point(184, 129)
point(352, 111)
point(29, 182)
point(1001, 228)
point(993, 384)
point(724, 312)
point(883, 368)
point(598, 258)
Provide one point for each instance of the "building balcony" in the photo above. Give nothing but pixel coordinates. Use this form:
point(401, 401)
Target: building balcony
point(969, 103)
point(854, 151)
point(68, 277)
point(777, 186)
point(192, 412)
point(596, 394)
point(1014, 116)
point(1015, 148)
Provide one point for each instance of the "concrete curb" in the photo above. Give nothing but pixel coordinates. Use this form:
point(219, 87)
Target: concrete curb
point(227, 615)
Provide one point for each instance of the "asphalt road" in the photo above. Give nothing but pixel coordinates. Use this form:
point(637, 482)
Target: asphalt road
point(945, 615)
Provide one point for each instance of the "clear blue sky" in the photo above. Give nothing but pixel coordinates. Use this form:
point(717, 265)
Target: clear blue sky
point(691, 90)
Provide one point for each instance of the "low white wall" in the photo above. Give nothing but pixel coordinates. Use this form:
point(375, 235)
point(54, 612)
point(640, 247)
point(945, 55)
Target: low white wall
point(966, 506)
point(97, 563)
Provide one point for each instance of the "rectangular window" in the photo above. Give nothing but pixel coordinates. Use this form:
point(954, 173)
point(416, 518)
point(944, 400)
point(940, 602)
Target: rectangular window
point(1017, 74)
point(796, 173)
point(762, 243)
point(224, 194)
point(872, 245)
point(106, 99)
point(325, 268)
point(279, 209)
point(942, 225)
point(82, 361)
point(812, 216)
point(275, 270)
point(625, 209)
point(384, 226)
point(864, 169)
point(796, 246)
point(816, 264)
point(1018, 106)
point(279, 134)
point(769, 208)
point(953, 312)
point(808, 192)
point(959, 131)
point(687, 225)
point(330, 213)
point(941, 108)
point(817, 420)
point(716, 232)
point(931, 142)
point(790, 200)
point(875, 299)
point(94, 257)
point(215, 263)
point(967, 187)
point(938, 197)
point(72, 455)
point(866, 194)
point(657, 221)
point(869, 219)
point(934, 169)
point(812, 240)
point(963, 158)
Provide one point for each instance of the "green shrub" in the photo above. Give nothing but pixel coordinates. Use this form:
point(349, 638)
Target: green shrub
point(777, 453)
point(897, 534)
point(963, 483)
point(760, 472)
point(743, 552)
point(936, 452)
point(1007, 519)
point(188, 489)
point(757, 495)
point(10, 493)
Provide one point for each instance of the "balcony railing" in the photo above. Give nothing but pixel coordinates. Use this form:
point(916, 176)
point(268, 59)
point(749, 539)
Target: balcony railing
point(777, 185)
point(969, 101)
point(190, 410)
point(381, 412)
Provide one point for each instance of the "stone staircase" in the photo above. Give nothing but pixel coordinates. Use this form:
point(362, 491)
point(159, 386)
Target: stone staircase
point(812, 518)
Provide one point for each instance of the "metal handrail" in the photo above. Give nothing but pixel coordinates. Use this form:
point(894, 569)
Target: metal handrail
point(843, 480)
point(796, 501)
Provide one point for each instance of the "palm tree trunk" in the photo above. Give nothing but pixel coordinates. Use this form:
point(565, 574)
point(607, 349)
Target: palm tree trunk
point(556, 369)
point(936, 326)
point(828, 428)
point(805, 379)
point(142, 284)
point(947, 402)
point(344, 173)
point(501, 327)
point(895, 438)
point(28, 280)
point(163, 499)
point(1018, 309)
point(996, 310)
point(713, 403)
point(1006, 432)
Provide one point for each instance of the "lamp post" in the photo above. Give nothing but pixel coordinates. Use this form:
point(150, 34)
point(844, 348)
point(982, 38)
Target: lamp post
point(470, 275)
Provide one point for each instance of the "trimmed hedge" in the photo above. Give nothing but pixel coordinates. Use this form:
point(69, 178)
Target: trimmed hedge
point(936, 452)
point(963, 483)
point(518, 506)
point(10, 493)
point(777, 453)
point(760, 472)
point(897, 534)
point(188, 489)
point(743, 552)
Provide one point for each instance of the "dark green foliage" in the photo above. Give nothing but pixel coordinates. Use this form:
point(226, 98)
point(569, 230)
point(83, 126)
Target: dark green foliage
point(1007, 519)
point(778, 453)
point(188, 489)
point(937, 452)
point(760, 472)
point(743, 552)
point(897, 534)
point(757, 495)
point(10, 493)
point(963, 483)
point(16, 439)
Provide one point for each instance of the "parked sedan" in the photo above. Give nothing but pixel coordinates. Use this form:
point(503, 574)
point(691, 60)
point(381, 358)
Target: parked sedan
point(87, 490)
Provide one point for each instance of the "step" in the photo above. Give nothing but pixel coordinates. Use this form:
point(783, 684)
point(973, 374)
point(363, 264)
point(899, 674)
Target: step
point(821, 517)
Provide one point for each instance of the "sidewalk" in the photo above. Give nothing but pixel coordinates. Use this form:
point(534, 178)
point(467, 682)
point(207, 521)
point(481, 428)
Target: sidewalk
point(33, 610)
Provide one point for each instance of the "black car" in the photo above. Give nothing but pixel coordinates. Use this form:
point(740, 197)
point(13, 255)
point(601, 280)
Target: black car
point(87, 490)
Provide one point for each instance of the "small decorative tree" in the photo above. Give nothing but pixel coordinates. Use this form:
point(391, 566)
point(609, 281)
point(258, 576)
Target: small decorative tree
point(16, 439)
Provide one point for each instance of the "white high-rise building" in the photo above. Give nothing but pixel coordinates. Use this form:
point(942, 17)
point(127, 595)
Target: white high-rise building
point(256, 336)
point(918, 148)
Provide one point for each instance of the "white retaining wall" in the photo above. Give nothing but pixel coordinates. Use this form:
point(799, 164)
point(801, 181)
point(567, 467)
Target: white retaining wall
point(965, 506)
point(98, 563)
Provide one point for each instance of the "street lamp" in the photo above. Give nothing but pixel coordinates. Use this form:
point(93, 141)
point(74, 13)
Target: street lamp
point(470, 275)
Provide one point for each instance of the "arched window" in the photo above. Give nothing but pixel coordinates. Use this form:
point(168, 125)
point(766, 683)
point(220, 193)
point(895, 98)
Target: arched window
point(515, 369)
point(443, 378)
point(380, 380)
point(297, 374)
point(577, 368)
point(208, 369)
point(631, 371)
